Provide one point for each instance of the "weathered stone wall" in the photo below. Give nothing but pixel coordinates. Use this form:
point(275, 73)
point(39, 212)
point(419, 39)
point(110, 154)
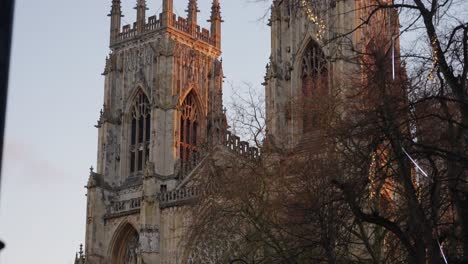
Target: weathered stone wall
point(175, 221)
point(293, 26)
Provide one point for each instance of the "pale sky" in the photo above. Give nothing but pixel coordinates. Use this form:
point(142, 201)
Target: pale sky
point(56, 90)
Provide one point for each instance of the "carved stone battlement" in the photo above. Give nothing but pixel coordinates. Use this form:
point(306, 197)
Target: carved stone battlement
point(154, 24)
point(177, 197)
point(125, 207)
point(233, 143)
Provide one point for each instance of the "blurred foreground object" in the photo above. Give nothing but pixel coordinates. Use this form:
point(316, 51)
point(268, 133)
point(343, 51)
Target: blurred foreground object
point(6, 21)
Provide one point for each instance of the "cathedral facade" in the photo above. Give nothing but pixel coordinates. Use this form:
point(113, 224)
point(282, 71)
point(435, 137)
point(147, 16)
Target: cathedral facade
point(163, 111)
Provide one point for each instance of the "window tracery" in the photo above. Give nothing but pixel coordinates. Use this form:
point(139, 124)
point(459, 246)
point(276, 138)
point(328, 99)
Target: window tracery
point(140, 133)
point(314, 76)
point(188, 129)
point(127, 248)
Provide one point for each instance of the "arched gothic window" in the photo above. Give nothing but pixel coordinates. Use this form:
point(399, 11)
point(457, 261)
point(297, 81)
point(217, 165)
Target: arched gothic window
point(188, 129)
point(314, 76)
point(140, 133)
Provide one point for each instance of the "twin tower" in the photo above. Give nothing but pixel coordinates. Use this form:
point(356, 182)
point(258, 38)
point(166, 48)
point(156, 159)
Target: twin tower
point(162, 107)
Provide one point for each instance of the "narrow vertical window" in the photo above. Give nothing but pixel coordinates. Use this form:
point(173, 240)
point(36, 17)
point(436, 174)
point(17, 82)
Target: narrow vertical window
point(140, 130)
point(132, 161)
point(140, 133)
point(134, 122)
point(182, 125)
point(314, 76)
point(188, 128)
point(194, 133)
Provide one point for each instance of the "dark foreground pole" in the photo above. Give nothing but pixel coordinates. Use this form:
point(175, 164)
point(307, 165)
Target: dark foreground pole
point(6, 25)
point(6, 22)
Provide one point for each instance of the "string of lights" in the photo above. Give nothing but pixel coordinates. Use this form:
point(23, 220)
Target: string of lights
point(321, 26)
point(372, 172)
point(435, 59)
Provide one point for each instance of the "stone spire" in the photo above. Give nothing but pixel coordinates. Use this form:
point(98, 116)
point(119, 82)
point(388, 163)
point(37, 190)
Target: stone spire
point(141, 15)
point(216, 21)
point(167, 12)
point(192, 12)
point(80, 257)
point(116, 15)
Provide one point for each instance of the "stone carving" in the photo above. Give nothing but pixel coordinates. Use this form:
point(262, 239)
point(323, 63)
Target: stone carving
point(191, 67)
point(149, 170)
point(266, 78)
point(287, 71)
point(166, 47)
point(135, 59)
point(133, 189)
point(140, 77)
point(123, 206)
point(272, 71)
point(111, 150)
point(107, 67)
point(106, 116)
point(111, 63)
point(150, 199)
point(93, 180)
point(218, 68)
point(80, 258)
point(149, 239)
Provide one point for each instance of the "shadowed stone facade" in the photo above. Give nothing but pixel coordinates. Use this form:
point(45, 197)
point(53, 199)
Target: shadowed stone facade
point(315, 47)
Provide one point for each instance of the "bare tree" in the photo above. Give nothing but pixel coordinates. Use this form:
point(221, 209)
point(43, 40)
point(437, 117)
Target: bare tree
point(391, 185)
point(246, 113)
point(429, 131)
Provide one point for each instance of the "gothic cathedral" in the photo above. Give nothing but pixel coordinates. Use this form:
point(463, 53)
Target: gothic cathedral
point(163, 109)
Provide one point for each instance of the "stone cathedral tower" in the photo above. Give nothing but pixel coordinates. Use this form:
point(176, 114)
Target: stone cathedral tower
point(162, 103)
point(315, 49)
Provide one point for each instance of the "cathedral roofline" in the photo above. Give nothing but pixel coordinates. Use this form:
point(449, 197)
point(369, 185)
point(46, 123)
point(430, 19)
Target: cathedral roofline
point(176, 25)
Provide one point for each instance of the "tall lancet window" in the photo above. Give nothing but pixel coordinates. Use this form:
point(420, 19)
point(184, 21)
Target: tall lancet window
point(140, 133)
point(314, 77)
point(188, 129)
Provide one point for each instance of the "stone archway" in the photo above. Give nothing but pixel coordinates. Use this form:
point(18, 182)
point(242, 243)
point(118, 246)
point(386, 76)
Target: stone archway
point(126, 249)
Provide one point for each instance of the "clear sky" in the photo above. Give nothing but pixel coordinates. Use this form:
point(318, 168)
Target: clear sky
point(56, 90)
